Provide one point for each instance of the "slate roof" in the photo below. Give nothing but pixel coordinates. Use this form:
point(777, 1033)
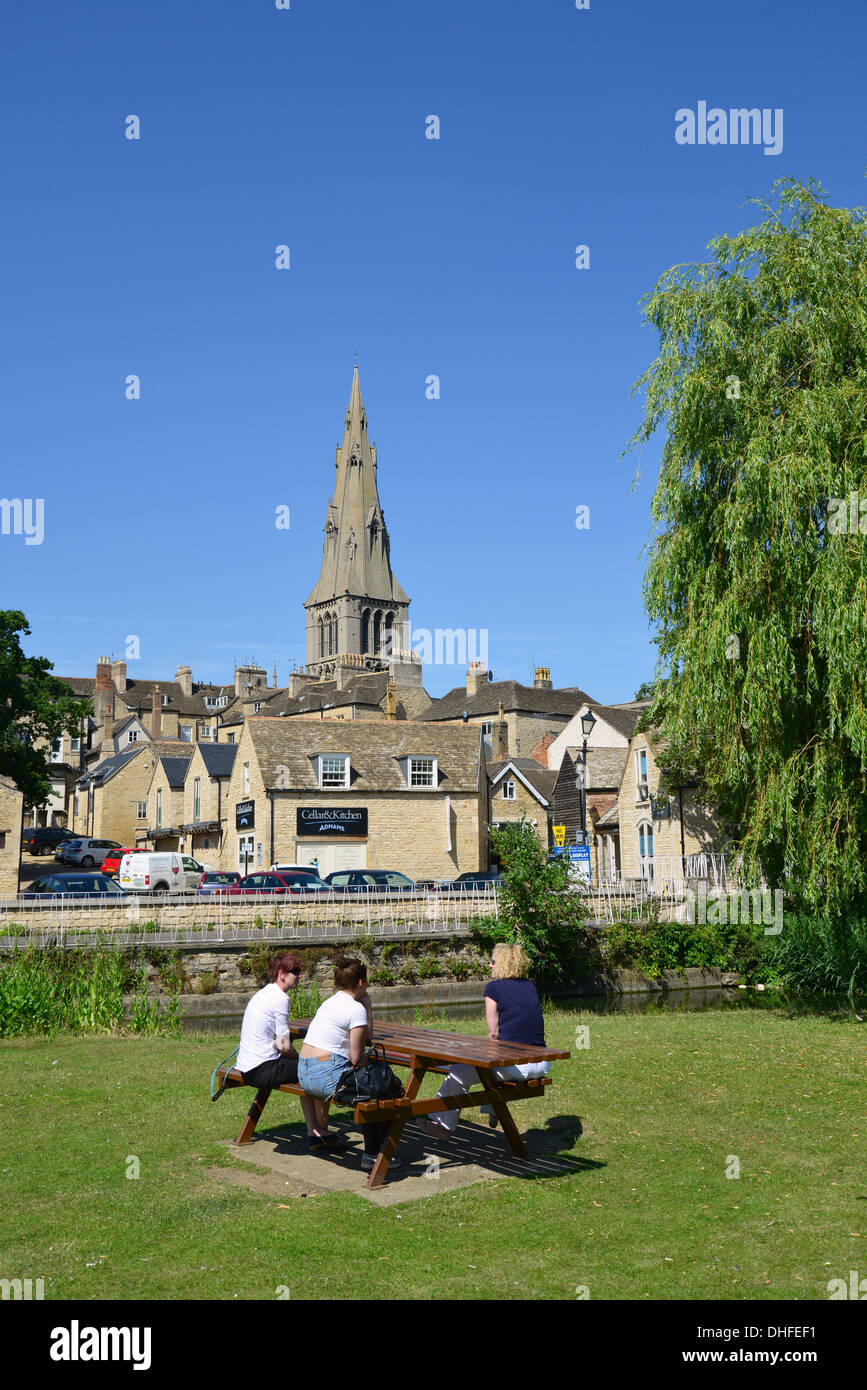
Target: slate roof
point(512, 695)
point(374, 748)
point(219, 758)
point(175, 770)
point(109, 767)
point(611, 817)
point(605, 766)
point(623, 718)
point(366, 691)
point(539, 777)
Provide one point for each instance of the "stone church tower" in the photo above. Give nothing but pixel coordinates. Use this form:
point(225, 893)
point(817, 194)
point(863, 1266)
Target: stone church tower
point(357, 613)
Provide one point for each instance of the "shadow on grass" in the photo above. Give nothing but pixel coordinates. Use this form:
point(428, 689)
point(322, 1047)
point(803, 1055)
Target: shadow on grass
point(471, 1146)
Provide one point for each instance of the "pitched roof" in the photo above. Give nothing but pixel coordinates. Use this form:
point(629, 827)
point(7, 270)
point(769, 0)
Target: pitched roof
point(175, 770)
point(375, 748)
point(623, 718)
point(611, 816)
point(109, 767)
point(219, 758)
point(605, 766)
point(512, 695)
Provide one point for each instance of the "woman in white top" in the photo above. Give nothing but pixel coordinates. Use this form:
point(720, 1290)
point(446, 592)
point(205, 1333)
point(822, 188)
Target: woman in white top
point(335, 1043)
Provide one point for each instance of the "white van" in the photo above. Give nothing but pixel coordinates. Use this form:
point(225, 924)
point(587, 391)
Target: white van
point(159, 873)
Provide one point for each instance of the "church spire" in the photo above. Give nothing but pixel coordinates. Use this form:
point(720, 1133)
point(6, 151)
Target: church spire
point(356, 601)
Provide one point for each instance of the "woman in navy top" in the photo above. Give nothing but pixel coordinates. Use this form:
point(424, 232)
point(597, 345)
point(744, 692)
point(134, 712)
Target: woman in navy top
point(513, 1014)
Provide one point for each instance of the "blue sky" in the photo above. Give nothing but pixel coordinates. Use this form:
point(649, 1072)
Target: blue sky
point(452, 257)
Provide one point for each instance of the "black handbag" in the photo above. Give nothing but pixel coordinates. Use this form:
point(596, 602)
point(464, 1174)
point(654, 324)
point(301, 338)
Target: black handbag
point(371, 1079)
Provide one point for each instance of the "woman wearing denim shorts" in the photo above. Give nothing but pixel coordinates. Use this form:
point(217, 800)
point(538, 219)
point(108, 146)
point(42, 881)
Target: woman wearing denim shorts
point(334, 1044)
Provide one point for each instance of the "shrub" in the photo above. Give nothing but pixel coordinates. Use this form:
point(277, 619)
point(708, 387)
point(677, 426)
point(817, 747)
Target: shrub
point(209, 982)
point(429, 969)
point(383, 976)
point(539, 904)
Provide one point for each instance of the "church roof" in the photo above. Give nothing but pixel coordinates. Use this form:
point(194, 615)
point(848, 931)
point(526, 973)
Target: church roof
point(355, 554)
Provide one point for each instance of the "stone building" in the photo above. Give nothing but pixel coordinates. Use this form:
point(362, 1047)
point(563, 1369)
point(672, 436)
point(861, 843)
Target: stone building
point(110, 802)
point(530, 712)
point(165, 803)
point(521, 789)
point(659, 823)
point(11, 821)
point(390, 794)
point(205, 817)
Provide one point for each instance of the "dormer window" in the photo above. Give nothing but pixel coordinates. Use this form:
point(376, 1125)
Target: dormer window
point(333, 770)
point(422, 772)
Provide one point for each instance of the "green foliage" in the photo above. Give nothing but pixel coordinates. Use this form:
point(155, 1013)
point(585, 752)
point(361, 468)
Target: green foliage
point(825, 953)
point(428, 969)
point(209, 982)
point(654, 947)
point(35, 709)
point(305, 1000)
point(52, 991)
point(383, 975)
point(759, 600)
point(539, 904)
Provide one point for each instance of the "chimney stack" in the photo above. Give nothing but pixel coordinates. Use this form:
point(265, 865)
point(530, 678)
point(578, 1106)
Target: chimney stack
point(107, 741)
point(391, 700)
point(542, 679)
point(298, 683)
point(477, 676)
point(499, 737)
point(118, 676)
point(350, 665)
point(103, 691)
point(184, 678)
point(157, 716)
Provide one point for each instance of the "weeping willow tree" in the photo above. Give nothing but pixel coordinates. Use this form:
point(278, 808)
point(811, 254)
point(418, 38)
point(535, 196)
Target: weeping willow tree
point(756, 581)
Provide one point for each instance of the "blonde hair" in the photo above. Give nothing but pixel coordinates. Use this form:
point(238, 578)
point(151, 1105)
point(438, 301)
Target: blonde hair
point(510, 962)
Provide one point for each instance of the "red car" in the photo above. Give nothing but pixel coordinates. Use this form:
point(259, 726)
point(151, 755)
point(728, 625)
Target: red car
point(295, 881)
point(111, 862)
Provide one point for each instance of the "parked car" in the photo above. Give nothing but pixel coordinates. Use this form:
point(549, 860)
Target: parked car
point(265, 882)
point(87, 852)
point(160, 872)
point(73, 885)
point(371, 881)
point(42, 839)
point(111, 862)
point(465, 882)
point(215, 879)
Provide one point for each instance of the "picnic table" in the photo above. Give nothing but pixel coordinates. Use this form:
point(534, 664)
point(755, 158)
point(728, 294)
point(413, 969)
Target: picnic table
point(425, 1050)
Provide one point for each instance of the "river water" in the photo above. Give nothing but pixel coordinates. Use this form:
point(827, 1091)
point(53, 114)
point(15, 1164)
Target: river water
point(651, 1002)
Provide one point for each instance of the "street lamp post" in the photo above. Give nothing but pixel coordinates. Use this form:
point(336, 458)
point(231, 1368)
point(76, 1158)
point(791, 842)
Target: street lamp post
point(588, 721)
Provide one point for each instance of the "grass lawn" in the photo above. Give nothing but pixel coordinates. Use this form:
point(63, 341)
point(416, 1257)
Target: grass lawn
point(666, 1100)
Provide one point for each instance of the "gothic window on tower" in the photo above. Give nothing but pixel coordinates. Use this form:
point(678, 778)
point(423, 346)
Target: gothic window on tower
point(389, 633)
point(377, 632)
point(365, 631)
point(321, 638)
point(332, 635)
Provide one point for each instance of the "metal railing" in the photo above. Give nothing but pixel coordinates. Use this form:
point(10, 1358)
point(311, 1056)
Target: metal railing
point(190, 918)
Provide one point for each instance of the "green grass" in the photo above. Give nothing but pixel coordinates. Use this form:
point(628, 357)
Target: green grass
point(664, 1098)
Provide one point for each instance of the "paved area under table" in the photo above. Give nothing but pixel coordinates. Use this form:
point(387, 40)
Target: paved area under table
point(475, 1154)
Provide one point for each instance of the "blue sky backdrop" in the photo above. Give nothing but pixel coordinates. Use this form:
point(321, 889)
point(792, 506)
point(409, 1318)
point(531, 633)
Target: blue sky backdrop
point(453, 257)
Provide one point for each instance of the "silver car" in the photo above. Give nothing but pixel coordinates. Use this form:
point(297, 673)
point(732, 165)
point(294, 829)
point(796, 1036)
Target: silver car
point(87, 852)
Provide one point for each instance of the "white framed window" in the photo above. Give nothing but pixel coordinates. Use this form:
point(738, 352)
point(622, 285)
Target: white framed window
point(197, 798)
point(74, 745)
point(487, 728)
point(257, 706)
point(509, 791)
point(422, 772)
point(142, 810)
point(57, 750)
point(230, 738)
point(246, 779)
point(334, 769)
point(75, 806)
point(210, 702)
point(159, 805)
point(186, 733)
point(164, 699)
point(641, 765)
point(132, 736)
point(206, 731)
point(645, 849)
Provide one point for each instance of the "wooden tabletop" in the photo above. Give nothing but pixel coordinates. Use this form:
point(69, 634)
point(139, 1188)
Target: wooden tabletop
point(404, 1041)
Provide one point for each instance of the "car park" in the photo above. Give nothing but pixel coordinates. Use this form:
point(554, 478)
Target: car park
point(160, 872)
point(44, 839)
point(75, 885)
point(87, 852)
point(265, 882)
point(371, 881)
point(215, 879)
